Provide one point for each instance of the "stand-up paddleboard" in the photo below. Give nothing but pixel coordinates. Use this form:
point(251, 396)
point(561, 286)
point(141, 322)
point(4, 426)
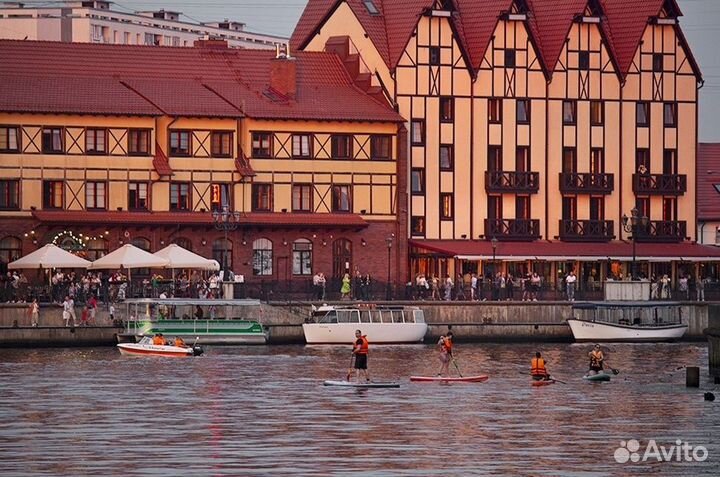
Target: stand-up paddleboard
point(369, 384)
point(466, 379)
point(542, 382)
point(597, 377)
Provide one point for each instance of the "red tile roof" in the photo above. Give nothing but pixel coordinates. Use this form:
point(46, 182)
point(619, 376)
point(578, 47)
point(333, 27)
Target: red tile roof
point(198, 218)
point(549, 22)
point(202, 82)
point(556, 250)
point(161, 163)
point(708, 182)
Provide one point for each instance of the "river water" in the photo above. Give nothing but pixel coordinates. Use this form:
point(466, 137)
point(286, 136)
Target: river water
point(263, 411)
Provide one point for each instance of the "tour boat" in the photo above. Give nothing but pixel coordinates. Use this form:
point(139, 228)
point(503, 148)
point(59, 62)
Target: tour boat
point(145, 347)
point(146, 317)
point(381, 324)
point(631, 322)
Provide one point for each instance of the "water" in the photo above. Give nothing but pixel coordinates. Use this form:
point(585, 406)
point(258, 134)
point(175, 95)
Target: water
point(263, 411)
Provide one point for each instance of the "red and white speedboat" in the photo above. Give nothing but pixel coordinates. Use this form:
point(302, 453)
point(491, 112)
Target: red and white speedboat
point(145, 347)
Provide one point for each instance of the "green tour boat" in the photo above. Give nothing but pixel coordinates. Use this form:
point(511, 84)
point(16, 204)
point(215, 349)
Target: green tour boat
point(213, 322)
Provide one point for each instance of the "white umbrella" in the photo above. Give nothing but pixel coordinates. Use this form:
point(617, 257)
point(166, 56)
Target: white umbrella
point(128, 256)
point(178, 257)
point(49, 256)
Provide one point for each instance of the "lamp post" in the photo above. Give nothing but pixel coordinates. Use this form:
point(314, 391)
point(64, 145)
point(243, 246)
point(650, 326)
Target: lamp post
point(226, 220)
point(388, 291)
point(630, 225)
point(494, 243)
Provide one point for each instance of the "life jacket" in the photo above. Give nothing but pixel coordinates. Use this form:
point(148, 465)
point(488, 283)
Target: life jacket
point(537, 367)
point(179, 342)
point(157, 340)
point(364, 346)
point(447, 345)
point(595, 359)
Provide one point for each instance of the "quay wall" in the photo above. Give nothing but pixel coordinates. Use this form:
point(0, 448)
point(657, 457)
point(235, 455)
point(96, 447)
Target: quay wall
point(713, 336)
point(483, 321)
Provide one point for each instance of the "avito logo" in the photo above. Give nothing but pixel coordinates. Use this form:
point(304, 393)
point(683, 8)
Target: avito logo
point(679, 452)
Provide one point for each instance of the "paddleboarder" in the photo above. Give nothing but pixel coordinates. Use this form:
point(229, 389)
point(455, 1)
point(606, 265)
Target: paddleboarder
point(597, 359)
point(360, 354)
point(538, 368)
point(445, 343)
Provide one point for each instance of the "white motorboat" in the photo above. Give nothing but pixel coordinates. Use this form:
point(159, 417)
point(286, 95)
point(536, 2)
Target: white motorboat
point(381, 324)
point(631, 322)
point(145, 347)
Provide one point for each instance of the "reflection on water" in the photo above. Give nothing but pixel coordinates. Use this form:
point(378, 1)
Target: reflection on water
point(264, 411)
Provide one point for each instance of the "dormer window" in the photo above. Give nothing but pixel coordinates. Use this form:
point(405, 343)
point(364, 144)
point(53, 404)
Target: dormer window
point(371, 8)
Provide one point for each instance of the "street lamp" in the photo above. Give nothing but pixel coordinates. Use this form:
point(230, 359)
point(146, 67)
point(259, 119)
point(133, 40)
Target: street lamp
point(630, 225)
point(226, 220)
point(388, 291)
point(494, 243)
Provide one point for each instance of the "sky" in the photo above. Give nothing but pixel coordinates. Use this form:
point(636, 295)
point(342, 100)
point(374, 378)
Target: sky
point(700, 22)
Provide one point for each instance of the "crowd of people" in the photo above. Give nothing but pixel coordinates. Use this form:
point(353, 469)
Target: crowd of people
point(497, 287)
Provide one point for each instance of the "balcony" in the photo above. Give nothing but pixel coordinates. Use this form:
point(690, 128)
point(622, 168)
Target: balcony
point(586, 183)
point(507, 181)
point(662, 231)
point(659, 184)
point(587, 230)
point(513, 229)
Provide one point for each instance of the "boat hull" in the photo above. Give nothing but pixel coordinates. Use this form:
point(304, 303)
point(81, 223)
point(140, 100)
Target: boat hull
point(542, 382)
point(467, 379)
point(597, 377)
point(207, 332)
point(351, 384)
point(377, 333)
point(601, 331)
point(137, 349)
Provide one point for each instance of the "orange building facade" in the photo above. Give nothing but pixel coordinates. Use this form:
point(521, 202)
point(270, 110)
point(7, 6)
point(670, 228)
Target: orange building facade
point(534, 128)
point(104, 145)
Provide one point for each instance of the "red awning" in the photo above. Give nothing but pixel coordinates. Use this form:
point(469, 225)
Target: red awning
point(197, 218)
point(553, 250)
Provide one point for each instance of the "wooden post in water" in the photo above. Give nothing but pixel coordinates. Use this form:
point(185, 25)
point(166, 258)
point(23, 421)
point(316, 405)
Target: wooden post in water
point(692, 377)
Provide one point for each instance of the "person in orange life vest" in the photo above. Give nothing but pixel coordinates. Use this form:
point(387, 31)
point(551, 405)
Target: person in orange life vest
point(446, 344)
point(597, 359)
point(538, 371)
point(158, 339)
point(179, 342)
point(360, 351)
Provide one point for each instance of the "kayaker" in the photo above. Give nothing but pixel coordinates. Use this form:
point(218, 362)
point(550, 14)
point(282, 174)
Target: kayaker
point(596, 360)
point(179, 342)
point(538, 369)
point(445, 344)
point(360, 352)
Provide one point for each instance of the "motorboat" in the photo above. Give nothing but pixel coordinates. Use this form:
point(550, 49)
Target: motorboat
point(145, 347)
point(336, 324)
point(176, 317)
point(630, 322)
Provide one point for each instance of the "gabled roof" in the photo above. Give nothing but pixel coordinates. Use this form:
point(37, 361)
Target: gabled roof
point(708, 182)
point(84, 78)
point(549, 22)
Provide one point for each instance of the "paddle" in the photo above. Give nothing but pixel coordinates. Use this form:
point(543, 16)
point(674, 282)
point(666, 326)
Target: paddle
point(352, 357)
point(614, 371)
point(456, 366)
point(552, 378)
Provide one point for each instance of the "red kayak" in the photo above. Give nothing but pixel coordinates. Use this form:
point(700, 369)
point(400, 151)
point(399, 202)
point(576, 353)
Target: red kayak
point(441, 379)
point(543, 382)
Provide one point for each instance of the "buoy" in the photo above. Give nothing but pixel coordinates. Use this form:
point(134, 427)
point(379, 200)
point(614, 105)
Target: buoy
point(709, 396)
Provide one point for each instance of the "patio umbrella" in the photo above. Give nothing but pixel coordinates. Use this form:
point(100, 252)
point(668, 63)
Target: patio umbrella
point(49, 256)
point(178, 257)
point(128, 256)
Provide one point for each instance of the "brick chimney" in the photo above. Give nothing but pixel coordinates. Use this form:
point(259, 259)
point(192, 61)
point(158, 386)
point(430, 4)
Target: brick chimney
point(283, 77)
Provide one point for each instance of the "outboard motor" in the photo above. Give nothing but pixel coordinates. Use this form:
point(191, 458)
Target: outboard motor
point(197, 350)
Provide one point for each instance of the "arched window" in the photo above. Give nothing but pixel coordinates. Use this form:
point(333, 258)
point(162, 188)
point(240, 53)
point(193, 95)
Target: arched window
point(96, 248)
point(219, 247)
point(10, 249)
point(183, 242)
point(342, 257)
point(302, 257)
point(144, 244)
point(262, 257)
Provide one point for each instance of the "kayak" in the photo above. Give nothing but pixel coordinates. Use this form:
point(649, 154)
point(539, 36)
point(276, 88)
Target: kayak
point(467, 379)
point(542, 382)
point(597, 377)
point(370, 384)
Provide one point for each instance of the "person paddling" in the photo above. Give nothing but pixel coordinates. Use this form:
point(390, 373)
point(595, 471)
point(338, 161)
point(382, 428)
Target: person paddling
point(445, 343)
point(538, 368)
point(360, 353)
point(597, 359)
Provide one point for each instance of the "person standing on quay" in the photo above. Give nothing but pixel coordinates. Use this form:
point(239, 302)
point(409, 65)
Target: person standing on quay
point(345, 288)
point(69, 311)
point(34, 312)
point(570, 285)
